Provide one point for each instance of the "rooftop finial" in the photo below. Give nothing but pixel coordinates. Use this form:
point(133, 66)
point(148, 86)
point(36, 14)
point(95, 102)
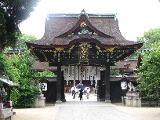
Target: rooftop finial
point(83, 12)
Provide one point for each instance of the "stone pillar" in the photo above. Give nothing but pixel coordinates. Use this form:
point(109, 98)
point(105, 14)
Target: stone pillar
point(59, 84)
point(107, 84)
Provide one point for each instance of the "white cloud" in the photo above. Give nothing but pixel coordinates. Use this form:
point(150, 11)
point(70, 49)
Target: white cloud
point(134, 16)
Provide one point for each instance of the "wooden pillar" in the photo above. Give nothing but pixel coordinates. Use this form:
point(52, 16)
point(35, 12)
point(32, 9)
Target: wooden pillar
point(59, 84)
point(98, 95)
point(101, 87)
point(107, 84)
point(62, 88)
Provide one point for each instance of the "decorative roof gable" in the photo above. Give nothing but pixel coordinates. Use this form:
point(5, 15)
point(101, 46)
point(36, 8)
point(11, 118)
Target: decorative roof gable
point(83, 27)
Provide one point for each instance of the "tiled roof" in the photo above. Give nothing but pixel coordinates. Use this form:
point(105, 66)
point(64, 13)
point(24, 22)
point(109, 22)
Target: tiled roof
point(123, 63)
point(57, 24)
point(41, 66)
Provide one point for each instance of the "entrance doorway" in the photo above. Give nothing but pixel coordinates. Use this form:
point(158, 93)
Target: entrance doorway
point(87, 76)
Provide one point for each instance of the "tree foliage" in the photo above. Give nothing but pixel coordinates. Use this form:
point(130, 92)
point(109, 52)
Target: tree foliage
point(13, 12)
point(149, 72)
point(22, 38)
point(1, 63)
point(43, 74)
point(149, 75)
point(18, 68)
point(150, 37)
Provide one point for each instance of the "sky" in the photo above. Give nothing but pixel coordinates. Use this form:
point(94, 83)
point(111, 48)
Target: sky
point(135, 16)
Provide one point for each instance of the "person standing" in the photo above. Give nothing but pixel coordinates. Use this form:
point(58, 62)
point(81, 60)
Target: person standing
point(81, 94)
point(73, 91)
point(87, 92)
point(124, 90)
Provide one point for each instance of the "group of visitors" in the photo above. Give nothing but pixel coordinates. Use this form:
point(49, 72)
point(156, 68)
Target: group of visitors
point(80, 90)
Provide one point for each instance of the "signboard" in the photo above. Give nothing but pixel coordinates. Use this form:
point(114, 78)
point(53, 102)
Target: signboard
point(124, 85)
point(44, 86)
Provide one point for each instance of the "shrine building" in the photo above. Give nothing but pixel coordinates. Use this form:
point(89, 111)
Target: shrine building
point(82, 47)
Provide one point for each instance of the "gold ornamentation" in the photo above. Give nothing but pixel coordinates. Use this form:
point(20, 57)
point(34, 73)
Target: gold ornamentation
point(84, 51)
point(83, 24)
point(71, 34)
point(98, 48)
point(109, 49)
point(95, 33)
point(71, 48)
point(59, 49)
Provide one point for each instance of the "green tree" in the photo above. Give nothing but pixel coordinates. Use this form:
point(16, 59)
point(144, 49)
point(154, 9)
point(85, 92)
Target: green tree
point(18, 68)
point(13, 12)
point(149, 75)
point(150, 37)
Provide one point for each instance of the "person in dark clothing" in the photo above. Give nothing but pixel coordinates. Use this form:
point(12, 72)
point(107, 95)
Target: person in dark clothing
point(81, 94)
point(74, 91)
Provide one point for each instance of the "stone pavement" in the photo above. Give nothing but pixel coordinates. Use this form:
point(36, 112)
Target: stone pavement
point(88, 109)
point(92, 97)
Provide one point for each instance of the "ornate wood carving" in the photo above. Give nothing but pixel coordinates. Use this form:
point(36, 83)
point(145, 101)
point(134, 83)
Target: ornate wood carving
point(84, 52)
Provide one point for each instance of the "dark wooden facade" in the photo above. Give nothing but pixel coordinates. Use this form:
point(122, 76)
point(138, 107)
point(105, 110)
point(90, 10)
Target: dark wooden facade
point(83, 40)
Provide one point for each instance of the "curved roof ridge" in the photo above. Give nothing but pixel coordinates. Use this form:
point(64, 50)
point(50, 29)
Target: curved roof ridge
point(83, 17)
point(107, 15)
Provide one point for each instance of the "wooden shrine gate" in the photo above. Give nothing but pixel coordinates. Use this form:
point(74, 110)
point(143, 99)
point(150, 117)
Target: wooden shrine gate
point(83, 40)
